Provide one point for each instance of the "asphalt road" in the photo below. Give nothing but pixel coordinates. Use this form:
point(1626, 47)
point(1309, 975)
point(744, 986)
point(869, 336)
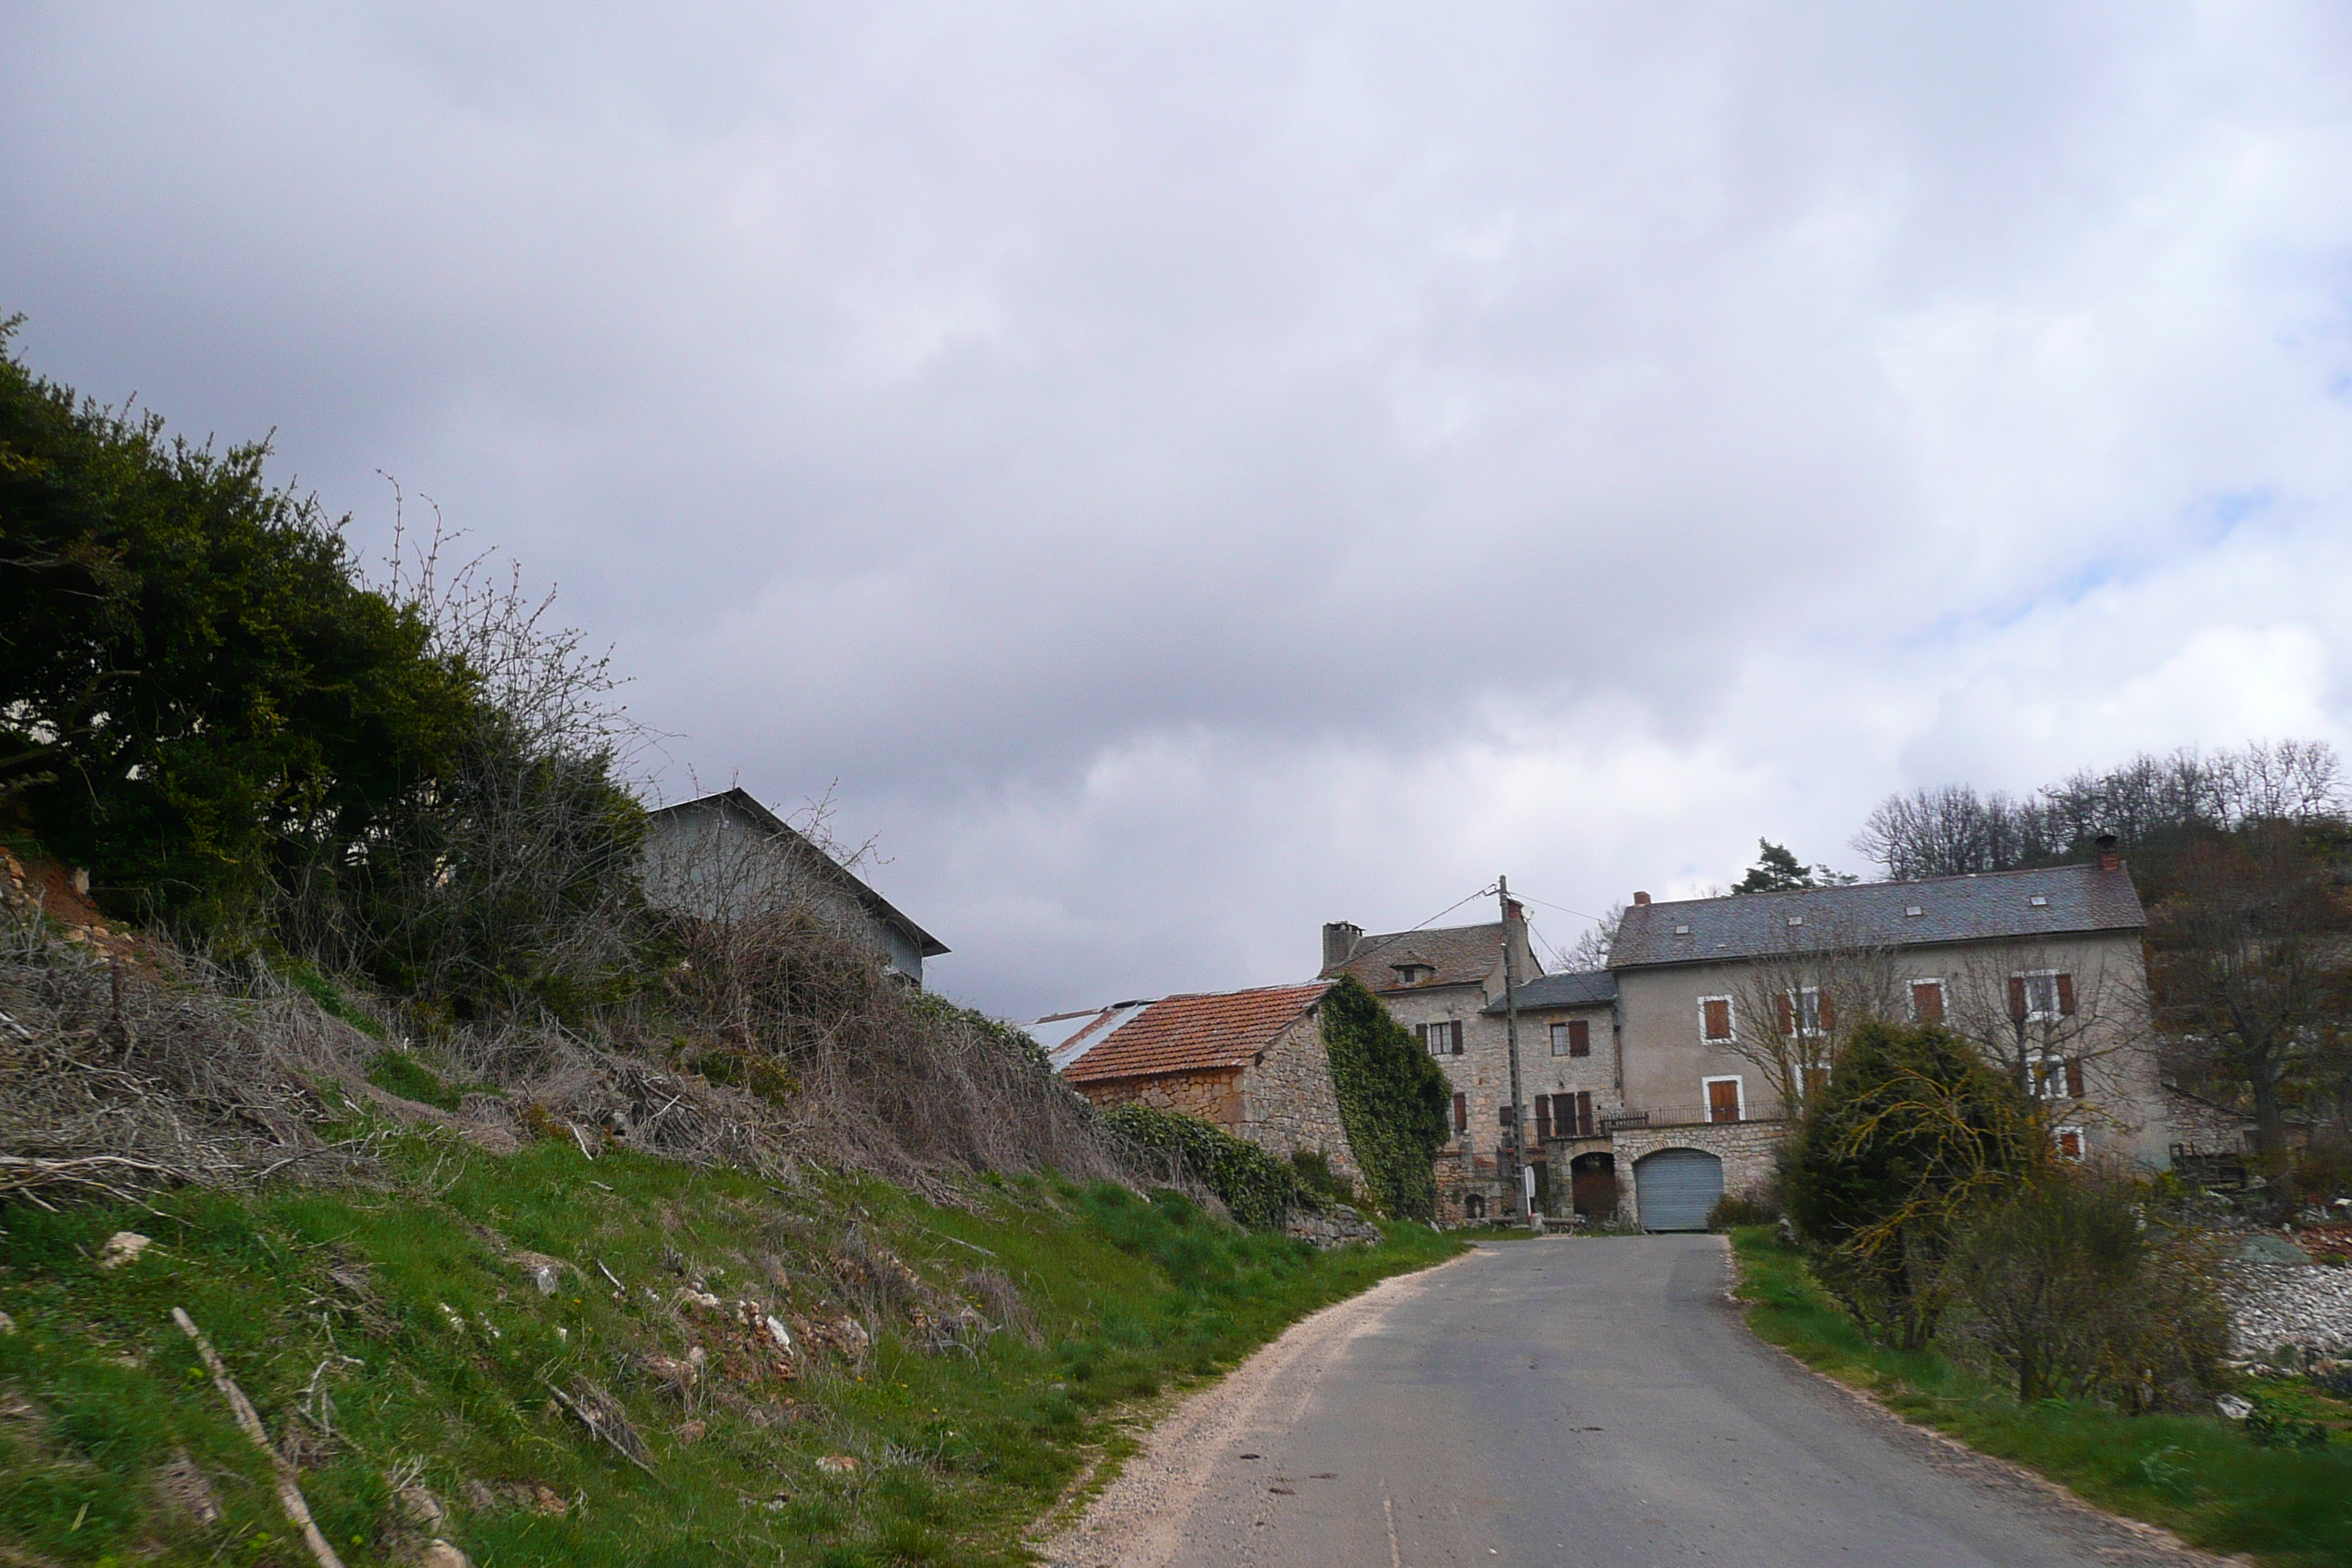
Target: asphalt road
point(1571, 1401)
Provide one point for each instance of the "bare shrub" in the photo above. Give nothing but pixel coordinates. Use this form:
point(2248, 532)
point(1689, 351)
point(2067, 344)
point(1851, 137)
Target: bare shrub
point(2077, 1292)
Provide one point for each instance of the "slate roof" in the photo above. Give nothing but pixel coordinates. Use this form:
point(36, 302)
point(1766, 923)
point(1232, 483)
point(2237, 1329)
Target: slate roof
point(1461, 955)
point(1583, 988)
point(1994, 905)
point(1195, 1034)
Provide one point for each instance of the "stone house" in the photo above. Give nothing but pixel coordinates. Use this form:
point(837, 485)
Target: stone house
point(1252, 1062)
point(727, 854)
point(1728, 1009)
point(1447, 987)
point(1659, 1084)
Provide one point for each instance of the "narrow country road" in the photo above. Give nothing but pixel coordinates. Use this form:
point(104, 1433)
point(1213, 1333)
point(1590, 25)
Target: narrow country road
point(1557, 1402)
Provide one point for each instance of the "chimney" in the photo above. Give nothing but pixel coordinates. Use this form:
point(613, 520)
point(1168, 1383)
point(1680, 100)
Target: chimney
point(1339, 940)
point(1518, 912)
point(2108, 860)
point(1641, 899)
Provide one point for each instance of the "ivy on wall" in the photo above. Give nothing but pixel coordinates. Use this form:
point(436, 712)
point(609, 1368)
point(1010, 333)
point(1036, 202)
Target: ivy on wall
point(1258, 1190)
point(1392, 1099)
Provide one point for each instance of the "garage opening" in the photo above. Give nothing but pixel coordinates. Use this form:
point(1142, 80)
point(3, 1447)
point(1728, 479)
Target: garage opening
point(1676, 1188)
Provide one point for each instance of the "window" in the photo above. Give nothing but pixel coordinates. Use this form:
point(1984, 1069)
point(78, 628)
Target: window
point(1503, 1114)
point(1926, 1001)
point(1412, 974)
point(2041, 996)
point(2052, 1076)
point(1573, 1038)
point(1461, 1113)
point(1564, 1115)
point(1444, 1040)
point(1725, 1099)
point(1805, 1011)
point(2069, 1143)
point(1714, 1017)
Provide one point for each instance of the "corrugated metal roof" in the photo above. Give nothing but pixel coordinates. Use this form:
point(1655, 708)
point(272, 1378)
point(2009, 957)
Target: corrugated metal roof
point(2054, 901)
point(1192, 1034)
point(1066, 1036)
point(1583, 988)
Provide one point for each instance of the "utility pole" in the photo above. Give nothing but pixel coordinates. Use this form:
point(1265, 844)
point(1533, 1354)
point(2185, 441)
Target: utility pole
point(1527, 1178)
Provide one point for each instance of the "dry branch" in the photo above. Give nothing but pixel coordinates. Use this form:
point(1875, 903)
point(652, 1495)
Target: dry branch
point(290, 1494)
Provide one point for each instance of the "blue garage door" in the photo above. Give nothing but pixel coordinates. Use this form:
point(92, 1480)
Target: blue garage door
point(1676, 1188)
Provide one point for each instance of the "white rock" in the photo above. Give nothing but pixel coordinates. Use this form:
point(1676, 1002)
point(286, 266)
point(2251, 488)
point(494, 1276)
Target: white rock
point(7, 1324)
point(2235, 1408)
point(778, 1333)
point(123, 1246)
point(439, 1554)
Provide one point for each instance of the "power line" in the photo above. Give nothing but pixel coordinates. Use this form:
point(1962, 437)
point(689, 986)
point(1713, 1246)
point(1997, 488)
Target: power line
point(1394, 937)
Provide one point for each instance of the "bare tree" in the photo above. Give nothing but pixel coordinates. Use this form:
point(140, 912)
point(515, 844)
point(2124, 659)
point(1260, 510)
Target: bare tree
point(1797, 1006)
point(2254, 972)
point(2048, 1019)
point(1951, 830)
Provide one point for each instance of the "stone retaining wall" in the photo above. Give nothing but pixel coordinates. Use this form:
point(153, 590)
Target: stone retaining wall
point(1748, 1150)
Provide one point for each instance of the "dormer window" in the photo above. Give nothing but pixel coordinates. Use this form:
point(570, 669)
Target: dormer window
point(1412, 974)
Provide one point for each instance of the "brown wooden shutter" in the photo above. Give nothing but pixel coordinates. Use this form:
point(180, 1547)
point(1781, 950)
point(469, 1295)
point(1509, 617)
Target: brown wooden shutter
point(1716, 1018)
point(1580, 1038)
point(2066, 995)
point(1825, 1012)
point(1928, 1002)
point(1462, 1113)
point(1543, 1117)
point(1584, 1113)
point(1503, 1114)
point(2074, 1077)
point(1785, 1011)
point(2017, 996)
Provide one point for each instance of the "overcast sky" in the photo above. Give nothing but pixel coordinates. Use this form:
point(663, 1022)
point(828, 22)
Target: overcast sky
point(1180, 474)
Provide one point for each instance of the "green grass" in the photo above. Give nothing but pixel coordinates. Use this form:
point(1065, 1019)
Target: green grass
point(2198, 1476)
point(452, 1351)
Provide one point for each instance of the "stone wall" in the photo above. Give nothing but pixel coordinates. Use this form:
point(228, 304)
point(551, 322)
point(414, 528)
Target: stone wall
point(1212, 1097)
point(1748, 1150)
point(1287, 1100)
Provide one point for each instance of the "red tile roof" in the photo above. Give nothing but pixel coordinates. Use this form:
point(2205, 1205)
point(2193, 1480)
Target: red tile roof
point(1195, 1034)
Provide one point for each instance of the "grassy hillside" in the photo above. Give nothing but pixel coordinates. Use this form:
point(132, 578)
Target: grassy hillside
point(952, 1370)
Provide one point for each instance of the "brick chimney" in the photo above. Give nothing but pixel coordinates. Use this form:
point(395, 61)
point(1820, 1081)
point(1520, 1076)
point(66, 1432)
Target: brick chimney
point(1339, 940)
point(2109, 860)
point(1518, 912)
point(1641, 899)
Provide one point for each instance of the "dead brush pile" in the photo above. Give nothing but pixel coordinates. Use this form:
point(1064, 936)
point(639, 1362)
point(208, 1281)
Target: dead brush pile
point(122, 1074)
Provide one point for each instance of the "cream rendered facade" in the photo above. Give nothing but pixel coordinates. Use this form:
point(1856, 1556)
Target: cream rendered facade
point(1712, 1008)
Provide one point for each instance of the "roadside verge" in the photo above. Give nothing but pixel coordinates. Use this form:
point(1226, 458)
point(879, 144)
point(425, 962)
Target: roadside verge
point(2199, 1477)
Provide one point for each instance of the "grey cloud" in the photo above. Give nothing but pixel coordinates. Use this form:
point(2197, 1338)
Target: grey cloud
point(1126, 447)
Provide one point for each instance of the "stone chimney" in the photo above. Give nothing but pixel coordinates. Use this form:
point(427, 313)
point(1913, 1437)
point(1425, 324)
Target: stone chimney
point(1641, 898)
point(2108, 860)
point(1518, 912)
point(1339, 940)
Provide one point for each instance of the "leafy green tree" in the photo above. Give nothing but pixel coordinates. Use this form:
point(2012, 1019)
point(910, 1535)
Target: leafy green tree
point(1778, 871)
point(1393, 1101)
point(1912, 1130)
point(196, 694)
